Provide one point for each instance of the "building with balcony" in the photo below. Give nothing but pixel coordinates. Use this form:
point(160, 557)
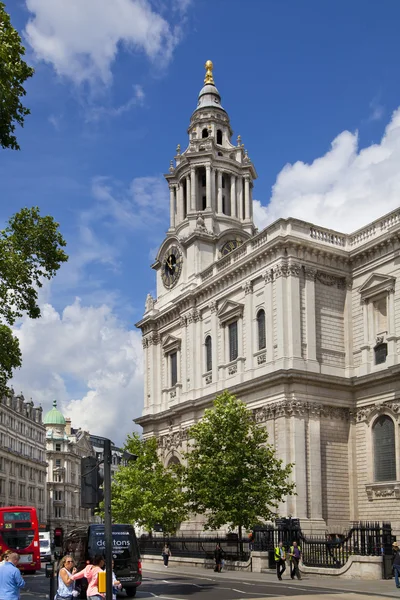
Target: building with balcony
point(64, 449)
point(22, 454)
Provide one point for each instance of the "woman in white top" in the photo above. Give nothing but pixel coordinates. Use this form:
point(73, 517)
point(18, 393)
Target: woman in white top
point(66, 585)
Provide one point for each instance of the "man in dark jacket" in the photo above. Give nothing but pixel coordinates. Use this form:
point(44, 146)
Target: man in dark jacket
point(396, 562)
point(218, 555)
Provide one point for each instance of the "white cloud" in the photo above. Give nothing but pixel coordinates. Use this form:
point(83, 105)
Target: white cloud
point(144, 204)
point(345, 189)
point(81, 38)
point(88, 361)
point(137, 99)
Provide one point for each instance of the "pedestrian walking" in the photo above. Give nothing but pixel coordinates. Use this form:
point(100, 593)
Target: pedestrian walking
point(91, 572)
point(218, 556)
point(396, 562)
point(280, 560)
point(11, 580)
point(66, 585)
point(166, 553)
point(295, 556)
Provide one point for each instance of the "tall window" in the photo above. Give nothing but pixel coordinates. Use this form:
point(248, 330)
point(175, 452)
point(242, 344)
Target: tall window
point(208, 345)
point(204, 133)
point(261, 329)
point(219, 136)
point(384, 449)
point(233, 340)
point(174, 368)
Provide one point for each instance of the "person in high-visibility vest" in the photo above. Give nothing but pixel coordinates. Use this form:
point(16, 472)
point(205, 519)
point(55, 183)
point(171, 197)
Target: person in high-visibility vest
point(295, 555)
point(280, 560)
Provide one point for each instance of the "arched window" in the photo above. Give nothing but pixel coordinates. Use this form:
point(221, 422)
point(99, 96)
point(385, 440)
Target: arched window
point(261, 329)
point(208, 345)
point(204, 133)
point(219, 136)
point(384, 449)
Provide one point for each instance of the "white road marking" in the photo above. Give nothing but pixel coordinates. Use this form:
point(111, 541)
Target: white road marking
point(257, 593)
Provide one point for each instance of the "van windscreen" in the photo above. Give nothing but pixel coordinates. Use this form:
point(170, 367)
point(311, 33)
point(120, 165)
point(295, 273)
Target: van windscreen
point(124, 545)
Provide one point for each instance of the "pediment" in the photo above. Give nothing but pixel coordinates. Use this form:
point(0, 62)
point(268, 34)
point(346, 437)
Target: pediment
point(171, 343)
point(229, 310)
point(376, 284)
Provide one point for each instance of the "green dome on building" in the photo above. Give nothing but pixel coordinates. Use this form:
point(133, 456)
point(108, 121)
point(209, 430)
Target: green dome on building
point(54, 417)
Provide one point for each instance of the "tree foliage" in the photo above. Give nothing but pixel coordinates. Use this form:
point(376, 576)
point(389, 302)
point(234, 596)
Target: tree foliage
point(233, 474)
point(31, 249)
point(145, 492)
point(13, 73)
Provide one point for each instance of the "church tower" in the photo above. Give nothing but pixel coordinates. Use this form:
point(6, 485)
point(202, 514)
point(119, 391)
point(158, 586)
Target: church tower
point(210, 185)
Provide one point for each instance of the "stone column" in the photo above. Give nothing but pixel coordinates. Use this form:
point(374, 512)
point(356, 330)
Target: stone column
point(248, 323)
point(269, 315)
point(391, 326)
point(145, 343)
point(214, 340)
point(233, 196)
point(280, 273)
point(364, 368)
point(208, 187)
point(219, 187)
point(188, 194)
point(185, 365)
point(247, 198)
point(315, 483)
point(180, 202)
point(240, 198)
point(311, 336)
point(298, 456)
point(172, 206)
point(251, 202)
point(348, 330)
point(294, 331)
point(193, 206)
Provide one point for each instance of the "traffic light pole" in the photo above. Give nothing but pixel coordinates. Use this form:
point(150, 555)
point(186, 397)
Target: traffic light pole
point(107, 517)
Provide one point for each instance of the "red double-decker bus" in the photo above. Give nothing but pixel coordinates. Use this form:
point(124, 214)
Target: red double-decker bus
point(19, 531)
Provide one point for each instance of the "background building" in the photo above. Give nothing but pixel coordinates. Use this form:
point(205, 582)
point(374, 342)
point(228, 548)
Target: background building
point(22, 454)
point(301, 322)
point(117, 454)
point(64, 449)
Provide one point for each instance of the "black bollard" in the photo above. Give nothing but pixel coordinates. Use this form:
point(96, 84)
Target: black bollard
point(50, 573)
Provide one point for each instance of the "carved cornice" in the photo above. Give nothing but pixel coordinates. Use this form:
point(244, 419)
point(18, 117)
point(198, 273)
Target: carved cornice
point(380, 491)
point(268, 276)
point(213, 306)
point(248, 287)
point(331, 280)
point(365, 412)
point(289, 408)
point(174, 439)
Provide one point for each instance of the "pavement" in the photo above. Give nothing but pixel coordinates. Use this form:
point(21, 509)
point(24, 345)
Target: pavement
point(309, 588)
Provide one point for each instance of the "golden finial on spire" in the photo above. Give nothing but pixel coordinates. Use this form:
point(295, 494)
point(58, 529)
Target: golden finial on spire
point(209, 80)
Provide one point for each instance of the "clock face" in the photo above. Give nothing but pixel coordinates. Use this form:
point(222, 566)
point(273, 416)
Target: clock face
point(171, 266)
point(231, 245)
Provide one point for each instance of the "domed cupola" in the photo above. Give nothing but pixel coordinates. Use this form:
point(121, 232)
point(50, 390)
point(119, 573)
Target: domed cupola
point(54, 417)
point(209, 96)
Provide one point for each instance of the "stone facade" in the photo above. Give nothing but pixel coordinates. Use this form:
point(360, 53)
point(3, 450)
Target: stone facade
point(65, 447)
point(22, 454)
point(301, 322)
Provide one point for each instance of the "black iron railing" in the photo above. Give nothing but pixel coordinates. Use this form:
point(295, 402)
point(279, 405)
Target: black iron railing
point(329, 551)
point(198, 547)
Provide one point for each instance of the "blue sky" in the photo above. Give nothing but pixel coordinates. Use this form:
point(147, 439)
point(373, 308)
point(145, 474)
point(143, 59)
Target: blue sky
point(312, 87)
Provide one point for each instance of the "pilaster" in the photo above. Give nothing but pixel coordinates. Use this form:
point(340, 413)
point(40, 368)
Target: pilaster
point(208, 186)
point(315, 482)
point(193, 189)
point(248, 323)
point(233, 196)
point(172, 206)
point(311, 336)
point(281, 311)
point(219, 187)
point(293, 325)
point(214, 340)
point(269, 315)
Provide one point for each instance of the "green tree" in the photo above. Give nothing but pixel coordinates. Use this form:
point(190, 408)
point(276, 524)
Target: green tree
point(31, 249)
point(13, 73)
point(232, 473)
point(145, 492)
